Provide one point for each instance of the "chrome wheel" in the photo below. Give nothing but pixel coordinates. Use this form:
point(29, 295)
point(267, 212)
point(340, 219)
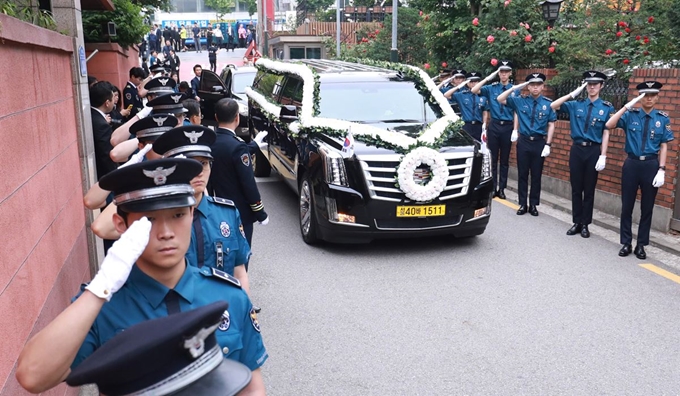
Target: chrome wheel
point(305, 208)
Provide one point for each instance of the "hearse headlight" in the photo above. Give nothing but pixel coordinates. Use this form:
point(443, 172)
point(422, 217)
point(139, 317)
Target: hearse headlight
point(486, 164)
point(334, 167)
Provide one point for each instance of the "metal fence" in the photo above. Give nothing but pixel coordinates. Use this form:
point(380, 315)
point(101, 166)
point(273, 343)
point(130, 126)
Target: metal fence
point(614, 91)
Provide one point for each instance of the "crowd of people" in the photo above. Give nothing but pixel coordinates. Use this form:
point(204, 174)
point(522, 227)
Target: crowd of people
point(498, 114)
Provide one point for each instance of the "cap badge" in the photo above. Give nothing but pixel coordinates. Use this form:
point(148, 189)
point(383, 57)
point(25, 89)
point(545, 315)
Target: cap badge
point(193, 136)
point(592, 74)
point(159, 175)
point(535, 75)
point(225, 322)
point(159, 120)
point(224, 229)
point(163, 81)
point(505, 63)
point(176, 98)
point(650, 84)
point(196, 344)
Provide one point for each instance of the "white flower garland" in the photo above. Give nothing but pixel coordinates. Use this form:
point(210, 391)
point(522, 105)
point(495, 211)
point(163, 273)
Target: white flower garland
point(436, 93)
point(411, 161)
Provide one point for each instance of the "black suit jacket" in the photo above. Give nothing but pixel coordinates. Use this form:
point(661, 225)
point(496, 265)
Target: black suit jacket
point(101, 130)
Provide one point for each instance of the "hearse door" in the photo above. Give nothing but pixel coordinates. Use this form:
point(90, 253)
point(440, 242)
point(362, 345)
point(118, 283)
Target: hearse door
point(285, 147)
point(210, 89)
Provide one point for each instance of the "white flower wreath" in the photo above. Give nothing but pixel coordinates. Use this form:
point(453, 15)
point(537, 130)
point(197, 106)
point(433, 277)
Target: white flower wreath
point(438, 167)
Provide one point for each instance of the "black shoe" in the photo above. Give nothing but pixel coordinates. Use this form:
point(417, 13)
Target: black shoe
point(501, 194)
point(522, 210)
point(640, 252)
point(495, 193)
point(585, 233)
point(532, 210)
point(256, 309)
point(575, 229)
point(625, 250)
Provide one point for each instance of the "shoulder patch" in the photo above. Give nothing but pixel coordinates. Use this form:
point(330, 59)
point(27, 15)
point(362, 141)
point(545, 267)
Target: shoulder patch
point(548, 99)
point(524, 96)
point(238, 138)
point(609, 104)
point(663, 114)
point(634, 110)
point(223, 201)
point(213, 272)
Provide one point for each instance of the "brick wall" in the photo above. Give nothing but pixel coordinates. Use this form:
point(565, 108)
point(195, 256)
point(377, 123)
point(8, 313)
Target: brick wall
point(557, 164)
point(112, 63)
point(45, 252)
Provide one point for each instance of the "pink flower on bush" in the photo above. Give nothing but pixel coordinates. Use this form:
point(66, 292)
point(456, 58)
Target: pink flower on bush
point(494, 61)
point(490, 39)
point(475, 21)
point(427, 66)
point(513, 32)
point(527, 38)
point(619, 34)
point(608, 52)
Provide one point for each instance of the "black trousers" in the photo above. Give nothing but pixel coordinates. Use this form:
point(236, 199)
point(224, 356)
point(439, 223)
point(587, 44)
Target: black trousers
point(637, 175)
point(248, 230)
point(474, 130)
point(529, 161)
point(499, 144)
point(583, 177)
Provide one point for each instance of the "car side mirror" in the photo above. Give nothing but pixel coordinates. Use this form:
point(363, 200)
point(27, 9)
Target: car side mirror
point(217, 88)
point(288, 114)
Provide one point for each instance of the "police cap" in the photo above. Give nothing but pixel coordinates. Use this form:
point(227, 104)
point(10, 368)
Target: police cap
point(153, 185)
point(445, 72)
point(594, 76)
point(458, 73)
point(161, 85)
point(153, 126)
point(473, 76)
point(168, 103)
point(157, 68)
point(505, 65)
point(649, 87)
point(176, 354)
point(535, 78)
point(187, 140)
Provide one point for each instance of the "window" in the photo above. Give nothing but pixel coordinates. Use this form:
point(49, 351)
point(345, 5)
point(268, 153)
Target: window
point(297, 53)
point(313, 53)
point(291, 92)
point(268, 84)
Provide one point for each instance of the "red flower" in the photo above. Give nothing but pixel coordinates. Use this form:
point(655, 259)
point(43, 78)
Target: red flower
point(637, 37)
point(627, 30)
point(427, 17)
point(619, 34)
point(427, 66)
point(444, 64)
point(622, 23)
point(608, 52)
point(513, 32)
point(646, 40)
point(626, 61)
point(490, 39)
point(650, 19)
point(527, 38)
point(494, 61)
point(475, 21)
point(646, 53)
point(551, 49)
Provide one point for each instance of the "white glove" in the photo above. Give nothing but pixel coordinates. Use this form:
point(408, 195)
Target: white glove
point(137, 158)
point(461, 85)
point(119, 261)
point(260, 137)
point(546, 151)
point(492, 75)
point(265, 221)
point(448, 80)
point(601, 162)
point(144, 112)
point(520, 86)
point(630, 104)
point(659, 178)
point(514, 136)
point(578, 90)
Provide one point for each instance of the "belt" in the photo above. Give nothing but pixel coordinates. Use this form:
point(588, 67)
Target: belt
point(501, 122)
point(534, 137)
point(473, 122)
point(586, 143)
point(643, 157)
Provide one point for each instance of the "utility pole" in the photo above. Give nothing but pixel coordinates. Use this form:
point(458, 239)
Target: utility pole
point(394, 55)
point(337, 28)
point(265, 39)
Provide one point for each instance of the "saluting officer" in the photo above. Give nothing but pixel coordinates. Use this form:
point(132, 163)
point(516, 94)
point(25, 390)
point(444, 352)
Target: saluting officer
point(218, 238)
point(472, 106)
point(499, 132)
point(131, 93)
point(537, 125)
point(648, 132)
point(588, 155)
point(445, 79)
point(145, 276)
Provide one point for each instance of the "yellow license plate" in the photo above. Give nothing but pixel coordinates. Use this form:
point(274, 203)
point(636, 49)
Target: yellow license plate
point(421, 211)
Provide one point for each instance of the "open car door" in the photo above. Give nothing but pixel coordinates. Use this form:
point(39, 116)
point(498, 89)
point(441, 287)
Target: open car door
point(210, 89)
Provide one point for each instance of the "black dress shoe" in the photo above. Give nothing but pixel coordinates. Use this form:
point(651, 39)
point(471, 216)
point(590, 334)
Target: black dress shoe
point(501, 194)
point(625, 250)
point(585, 233)
point(640, 252)
point(575, 229)
point(256, 309)
point(522, 210)
point(495, 193)
point(532, 210)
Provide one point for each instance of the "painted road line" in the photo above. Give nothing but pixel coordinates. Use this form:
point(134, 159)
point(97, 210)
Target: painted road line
point(662, 272)
point(507, 203)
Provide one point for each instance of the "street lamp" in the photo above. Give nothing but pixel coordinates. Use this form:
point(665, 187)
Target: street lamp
point(551, 10)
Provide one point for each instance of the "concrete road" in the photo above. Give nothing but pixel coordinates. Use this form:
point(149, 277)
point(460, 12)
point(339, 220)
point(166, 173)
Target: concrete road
point(522, 309)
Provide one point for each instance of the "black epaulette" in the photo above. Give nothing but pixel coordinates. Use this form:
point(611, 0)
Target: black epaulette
point(663, 113)
point(239, 139)
point(548, 99)
point(223, 201)
point(215, 273)
point(607, 103)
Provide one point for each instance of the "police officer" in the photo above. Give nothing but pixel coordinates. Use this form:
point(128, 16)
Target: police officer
point(648, 132)
point(500, 130)
point(232, 174)
point(217, 237)
point(537, 124)
point(115, 368)
point(131, 93)
point(471, 105)
point(145, 276)
point(588, 155)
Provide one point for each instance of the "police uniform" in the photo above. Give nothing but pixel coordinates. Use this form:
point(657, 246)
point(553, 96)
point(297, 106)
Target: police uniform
point(472, 107)
point(456, 73)
point(164, 184)
point(183, 358)
point(131, 97)
point(218, 236)
point(499, 130)
point(644, 135)
point(534, 116)
point(232, 178)
point(587, 121)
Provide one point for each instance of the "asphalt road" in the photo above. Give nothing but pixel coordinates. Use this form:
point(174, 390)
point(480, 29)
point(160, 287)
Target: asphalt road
point(190, 58)
point(521, 309)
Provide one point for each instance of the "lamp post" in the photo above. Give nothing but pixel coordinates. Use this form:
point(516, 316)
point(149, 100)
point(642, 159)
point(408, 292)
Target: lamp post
point(337, 29)
point(551, 11)
point(394, 55)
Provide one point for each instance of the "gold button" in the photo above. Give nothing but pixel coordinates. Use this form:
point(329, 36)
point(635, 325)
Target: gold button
point(225, 350)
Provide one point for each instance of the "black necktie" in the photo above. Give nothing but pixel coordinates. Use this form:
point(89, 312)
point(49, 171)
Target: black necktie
point(172, 302)
point(644, 133)
point(502, 106)
point(198, 229)
point(533, 113)
point(590, 110)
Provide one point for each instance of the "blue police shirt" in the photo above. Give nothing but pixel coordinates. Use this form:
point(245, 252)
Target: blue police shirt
point(142, 298)
point(444, 89)
point(221, 224)
point(534, 114)
point(658, 131)
point(471, 105)
point(498, 111)
point(589, 129)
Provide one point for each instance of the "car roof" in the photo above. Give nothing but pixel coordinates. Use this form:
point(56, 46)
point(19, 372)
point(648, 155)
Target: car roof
point(342, 71)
